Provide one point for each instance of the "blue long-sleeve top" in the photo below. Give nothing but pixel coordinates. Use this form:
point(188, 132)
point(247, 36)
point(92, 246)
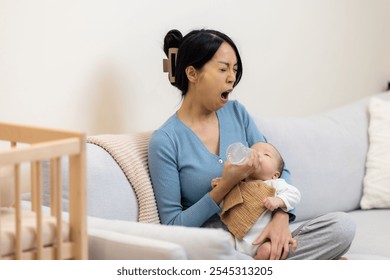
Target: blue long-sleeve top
point(181, 167)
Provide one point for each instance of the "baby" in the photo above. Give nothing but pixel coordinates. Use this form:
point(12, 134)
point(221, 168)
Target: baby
point(248, 207)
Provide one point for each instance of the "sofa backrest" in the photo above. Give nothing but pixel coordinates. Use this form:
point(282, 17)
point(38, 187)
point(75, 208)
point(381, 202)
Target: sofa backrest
point(326, 156)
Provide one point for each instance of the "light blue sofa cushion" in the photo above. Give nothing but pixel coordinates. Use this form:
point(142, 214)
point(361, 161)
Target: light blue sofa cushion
point(326, 156)
point(110, 195)
point(372, 234)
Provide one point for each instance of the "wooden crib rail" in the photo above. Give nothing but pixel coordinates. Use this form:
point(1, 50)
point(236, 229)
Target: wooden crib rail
point(41, 151)
point(47, 144)
point(32, 134)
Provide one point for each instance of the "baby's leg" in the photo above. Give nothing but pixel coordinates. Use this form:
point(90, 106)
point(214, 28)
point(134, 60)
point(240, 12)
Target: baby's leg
point(264, 251)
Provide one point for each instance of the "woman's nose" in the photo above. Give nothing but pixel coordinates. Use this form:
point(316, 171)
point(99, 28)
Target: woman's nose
point(232, 76)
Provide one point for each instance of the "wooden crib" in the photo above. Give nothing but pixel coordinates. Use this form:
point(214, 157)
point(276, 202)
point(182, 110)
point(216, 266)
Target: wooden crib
point(34, 233)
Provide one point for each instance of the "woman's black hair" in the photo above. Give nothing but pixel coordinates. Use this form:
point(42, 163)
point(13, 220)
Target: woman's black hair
point(196, 49)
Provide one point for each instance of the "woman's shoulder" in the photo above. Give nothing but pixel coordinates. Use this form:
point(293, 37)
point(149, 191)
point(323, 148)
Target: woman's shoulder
point(168, 132)
point(170, 123)
point(164, 130)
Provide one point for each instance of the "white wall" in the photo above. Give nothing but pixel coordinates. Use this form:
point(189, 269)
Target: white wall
point(96, 65)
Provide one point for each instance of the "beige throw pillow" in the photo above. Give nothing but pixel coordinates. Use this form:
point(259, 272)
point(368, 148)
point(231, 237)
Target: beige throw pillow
point(376, 185)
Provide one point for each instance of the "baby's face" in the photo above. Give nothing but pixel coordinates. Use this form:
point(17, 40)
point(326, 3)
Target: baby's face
point(269, 161)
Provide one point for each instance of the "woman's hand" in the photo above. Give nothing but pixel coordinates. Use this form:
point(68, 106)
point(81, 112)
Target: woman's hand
point(231, 175)
point(279, 234)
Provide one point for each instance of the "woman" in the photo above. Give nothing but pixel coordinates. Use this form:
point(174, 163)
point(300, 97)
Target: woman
point(188, 150)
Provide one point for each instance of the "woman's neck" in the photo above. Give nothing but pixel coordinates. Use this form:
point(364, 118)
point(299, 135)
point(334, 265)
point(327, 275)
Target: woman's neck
point(192, 112)
point(204, 123)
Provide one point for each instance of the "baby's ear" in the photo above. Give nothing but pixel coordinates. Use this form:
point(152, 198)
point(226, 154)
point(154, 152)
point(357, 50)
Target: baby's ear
point(276, 175)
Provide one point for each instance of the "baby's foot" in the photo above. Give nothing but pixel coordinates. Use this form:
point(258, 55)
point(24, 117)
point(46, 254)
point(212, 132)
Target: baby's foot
point(264, 251)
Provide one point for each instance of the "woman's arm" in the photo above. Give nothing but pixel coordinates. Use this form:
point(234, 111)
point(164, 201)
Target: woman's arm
point(232, 175)
point(164, 173)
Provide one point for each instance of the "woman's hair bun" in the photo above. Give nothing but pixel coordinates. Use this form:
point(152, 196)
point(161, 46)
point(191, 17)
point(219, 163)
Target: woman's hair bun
point(172, 40)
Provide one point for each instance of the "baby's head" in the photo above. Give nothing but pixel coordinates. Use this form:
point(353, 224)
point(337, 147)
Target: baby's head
point(271, 162)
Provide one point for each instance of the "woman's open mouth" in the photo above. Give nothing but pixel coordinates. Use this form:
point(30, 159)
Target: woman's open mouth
point(225, 95)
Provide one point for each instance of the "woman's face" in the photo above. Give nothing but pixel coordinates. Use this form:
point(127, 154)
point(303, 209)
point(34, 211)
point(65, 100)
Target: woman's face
point(216, 78)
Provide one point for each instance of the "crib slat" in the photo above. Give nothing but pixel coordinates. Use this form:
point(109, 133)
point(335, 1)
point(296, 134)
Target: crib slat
point(53, 190)
point(78, 210)
point(36, 167)
point(55, 198)
point(59, 211)
point(33, 186)
point(1, 254)
point(18, 215)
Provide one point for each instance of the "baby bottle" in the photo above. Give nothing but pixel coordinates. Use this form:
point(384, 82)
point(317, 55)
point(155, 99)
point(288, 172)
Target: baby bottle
point(237, 153)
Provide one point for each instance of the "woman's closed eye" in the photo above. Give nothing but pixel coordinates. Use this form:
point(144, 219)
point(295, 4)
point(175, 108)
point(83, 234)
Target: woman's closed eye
point(225, 69)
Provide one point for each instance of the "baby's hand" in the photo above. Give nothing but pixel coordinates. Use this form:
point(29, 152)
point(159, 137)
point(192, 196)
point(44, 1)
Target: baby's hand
point(215, 182)
point(272, 203)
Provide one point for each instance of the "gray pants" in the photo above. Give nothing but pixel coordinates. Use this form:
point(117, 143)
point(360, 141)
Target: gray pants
point(326, 237)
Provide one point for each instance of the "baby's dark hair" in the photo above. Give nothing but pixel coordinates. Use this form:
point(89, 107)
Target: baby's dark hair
point(280, 166)
point(196, 49)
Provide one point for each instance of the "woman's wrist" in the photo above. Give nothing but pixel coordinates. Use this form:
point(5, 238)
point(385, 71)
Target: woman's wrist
point(219, 192)
point(279, 214)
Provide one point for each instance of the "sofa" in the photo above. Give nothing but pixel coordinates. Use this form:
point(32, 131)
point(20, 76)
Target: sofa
point(328, 155)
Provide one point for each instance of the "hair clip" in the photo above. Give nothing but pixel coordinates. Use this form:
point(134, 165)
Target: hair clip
point(169, 65)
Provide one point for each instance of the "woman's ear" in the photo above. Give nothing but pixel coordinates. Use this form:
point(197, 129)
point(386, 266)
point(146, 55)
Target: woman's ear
point(192, 73)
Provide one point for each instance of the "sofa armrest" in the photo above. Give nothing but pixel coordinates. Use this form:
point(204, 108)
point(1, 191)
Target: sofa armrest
point(107, 245)
point(198, 243)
